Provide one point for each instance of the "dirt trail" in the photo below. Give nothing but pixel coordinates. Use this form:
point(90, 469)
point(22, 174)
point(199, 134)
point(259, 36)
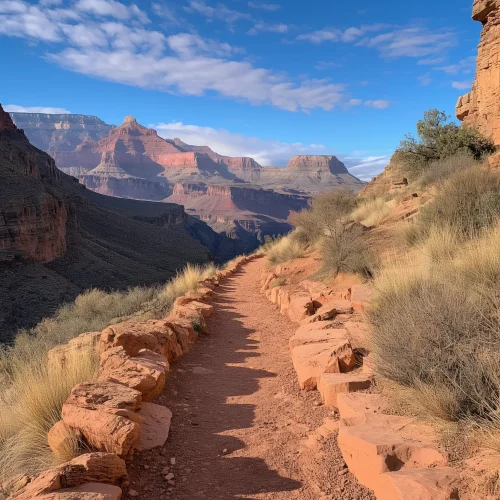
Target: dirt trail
point(241, 426)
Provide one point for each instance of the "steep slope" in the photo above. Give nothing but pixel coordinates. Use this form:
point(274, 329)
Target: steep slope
point(57, 238)
point(480, 108)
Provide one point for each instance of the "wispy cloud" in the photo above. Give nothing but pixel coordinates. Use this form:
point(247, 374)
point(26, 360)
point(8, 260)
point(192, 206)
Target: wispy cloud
point(431, 61)
point(377, 104)
point(261, 27)
point(324, 65)
point(336, 35)
point(461, 85)
point(464, 66)
point(365, 167)
point(270, 7)
point(425, 79)
point(14, 108)
point(220, 12)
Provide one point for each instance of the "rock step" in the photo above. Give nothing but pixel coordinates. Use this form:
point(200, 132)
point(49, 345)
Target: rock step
point(330, 385)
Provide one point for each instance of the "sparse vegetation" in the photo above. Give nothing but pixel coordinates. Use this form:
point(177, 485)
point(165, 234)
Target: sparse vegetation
point(438, 139)
point(33, 391)
point(329, 225)
point(372, 210)
point(281, 281)
point(285, 249)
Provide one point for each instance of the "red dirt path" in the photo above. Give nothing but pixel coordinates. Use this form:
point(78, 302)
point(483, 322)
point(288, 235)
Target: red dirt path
point(241, 426)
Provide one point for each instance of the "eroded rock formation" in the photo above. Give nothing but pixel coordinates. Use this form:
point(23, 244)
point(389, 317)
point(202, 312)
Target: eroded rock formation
point(480, 108)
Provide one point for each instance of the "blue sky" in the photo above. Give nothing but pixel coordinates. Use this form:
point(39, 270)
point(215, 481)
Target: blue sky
point(267, 78)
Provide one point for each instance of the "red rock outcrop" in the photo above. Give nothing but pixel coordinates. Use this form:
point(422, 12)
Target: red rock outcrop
point(480, 108)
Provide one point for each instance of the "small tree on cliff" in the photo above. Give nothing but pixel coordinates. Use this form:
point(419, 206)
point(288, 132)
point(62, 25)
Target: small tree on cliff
point(438, 138)
point(329, 224)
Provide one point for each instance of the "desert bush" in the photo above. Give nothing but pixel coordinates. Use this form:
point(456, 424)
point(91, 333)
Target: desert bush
point(436, 329)
point(278, 282)
point(285, 249)
point(32, 391)
point(467, 203)
point(439, 139)
point(437, 171)
point(328, 223)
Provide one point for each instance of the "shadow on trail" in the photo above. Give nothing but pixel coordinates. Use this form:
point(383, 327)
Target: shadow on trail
point(204, 413)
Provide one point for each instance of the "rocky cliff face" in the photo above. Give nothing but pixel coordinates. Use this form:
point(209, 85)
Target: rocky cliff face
point(60, 132)
point(480, 108)
point(58, 238)
point(309, 174)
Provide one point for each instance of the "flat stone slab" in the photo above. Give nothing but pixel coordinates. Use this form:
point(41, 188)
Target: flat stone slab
point(89, 491)
point(312, 360)
point(358, 333)
point(330, 385)
point(316, 335)
point(361, 296)
point(373, 444)
point(155, 426)
point(354, 404)
point(417, 484)
point(329, 311)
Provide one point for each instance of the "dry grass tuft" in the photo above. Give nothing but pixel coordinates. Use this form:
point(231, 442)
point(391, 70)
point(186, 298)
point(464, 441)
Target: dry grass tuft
point(371, 211)
point(284, 250)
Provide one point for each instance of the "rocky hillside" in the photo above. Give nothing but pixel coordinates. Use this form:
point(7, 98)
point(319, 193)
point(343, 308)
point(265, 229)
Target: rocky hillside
point(58, 238)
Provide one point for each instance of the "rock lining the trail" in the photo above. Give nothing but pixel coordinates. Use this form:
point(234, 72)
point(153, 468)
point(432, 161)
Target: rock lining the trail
point(114, 415)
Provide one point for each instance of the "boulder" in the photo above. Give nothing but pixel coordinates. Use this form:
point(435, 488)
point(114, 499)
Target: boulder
point(155, 426)
point(309, 335)
point(205, 309)
point(170, 347)
point(89, 468)
point(312, 360)
point(267, 280)
point(183, 331)
point(87, 491)
point(330, 385)
point(104, 414)
point(373, 444)
point(355, 404)
point(437, 483)
point(192, 314)
point(146, 372)
point(361, 296)
point(133, 337)
point(300, 306)
point(329, 311)
point(274, 295)
point(62, 440)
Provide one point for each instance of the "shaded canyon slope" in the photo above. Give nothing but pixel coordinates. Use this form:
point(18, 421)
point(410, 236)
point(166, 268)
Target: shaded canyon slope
point(236, 196)
point(57, 238)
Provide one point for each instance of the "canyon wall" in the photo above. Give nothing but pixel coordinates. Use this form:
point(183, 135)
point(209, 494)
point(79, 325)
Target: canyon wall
point(480, 108)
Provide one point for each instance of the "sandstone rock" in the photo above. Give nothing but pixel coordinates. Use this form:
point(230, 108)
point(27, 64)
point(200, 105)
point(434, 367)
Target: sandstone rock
point(267, 281)
point(312, 360)
point(14, 483)
point(172, 345)
point(80, 345)
point(133, 337)
point(369, 367)
point(361, 296)
point(184, 332)
point(192, 314)
point(87, 491)
point(275, 294)
point(146, 372)
point(62, 439)
point(89, 468)
point(104, 414)
point(372, 444)
point(358, 333)
point(355, 404)
point(330, 310)
point(417, 484)
point(480, 108)
point(155, 426)
point(330, 385)
point(308, 335)
point(300, 306)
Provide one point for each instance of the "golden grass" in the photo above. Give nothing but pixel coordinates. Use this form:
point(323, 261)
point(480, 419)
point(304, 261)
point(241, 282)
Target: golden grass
point(370, 212)
point(33, 390)
point(284, 250)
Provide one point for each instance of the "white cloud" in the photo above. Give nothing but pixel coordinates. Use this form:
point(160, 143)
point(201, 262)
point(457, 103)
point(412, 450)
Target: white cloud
point(425, 79)
point(111, 8)
point(261, 26)
point(377, 104)
point(335, 35)
point(219, 12)
point(464, 66)
point(226, 143)
point(324, 65)
point(270, 7)
point(14, 108)
point(411, 42)
point(365, 168)
point(431, 61)
point(461, 85)
point(354, 102)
